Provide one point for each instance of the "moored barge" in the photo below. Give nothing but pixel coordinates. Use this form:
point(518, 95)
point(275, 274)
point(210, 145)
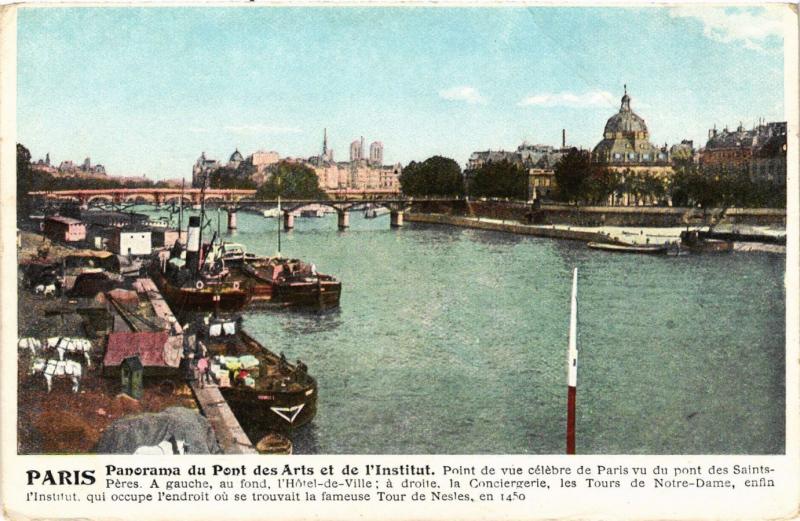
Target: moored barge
point(282, 281)
point(265, 392)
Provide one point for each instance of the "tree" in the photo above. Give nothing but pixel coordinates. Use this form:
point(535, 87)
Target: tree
point(500, 179)
point(572, 173)
point(437, 175)
point(602, 184)
point(24, 180)
point(235, 178)
point(292, 181)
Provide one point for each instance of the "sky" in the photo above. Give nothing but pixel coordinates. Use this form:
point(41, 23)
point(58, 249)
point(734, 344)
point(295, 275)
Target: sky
point(145, 90)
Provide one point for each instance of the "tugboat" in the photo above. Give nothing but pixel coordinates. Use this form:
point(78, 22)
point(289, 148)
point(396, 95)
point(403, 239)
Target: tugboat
point(196, 279)
point(699, 242)
point(265, 392)
point(281, 281)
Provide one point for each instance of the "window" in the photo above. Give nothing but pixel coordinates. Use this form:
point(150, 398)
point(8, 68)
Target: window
point(631, 156)
point(646, 157)
point(617, 156)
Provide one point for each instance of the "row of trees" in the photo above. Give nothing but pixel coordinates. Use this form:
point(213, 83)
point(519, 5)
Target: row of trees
point(581, 181)
point(442, 177)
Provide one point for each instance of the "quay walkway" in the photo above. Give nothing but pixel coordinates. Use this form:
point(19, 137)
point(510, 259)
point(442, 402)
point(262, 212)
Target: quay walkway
point(230, 435)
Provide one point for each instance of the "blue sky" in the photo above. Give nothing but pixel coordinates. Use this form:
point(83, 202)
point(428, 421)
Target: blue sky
point(145, 90)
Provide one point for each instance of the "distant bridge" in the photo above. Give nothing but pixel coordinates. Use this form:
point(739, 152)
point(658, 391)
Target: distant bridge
point(155, 196)
point(191, 195)
point(233, 200)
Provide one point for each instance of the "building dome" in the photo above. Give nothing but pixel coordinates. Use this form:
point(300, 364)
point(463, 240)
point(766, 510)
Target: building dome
point(236, 157)
point(625, 121)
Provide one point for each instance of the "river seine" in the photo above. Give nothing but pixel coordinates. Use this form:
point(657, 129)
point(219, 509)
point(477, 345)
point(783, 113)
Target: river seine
point(453, 341)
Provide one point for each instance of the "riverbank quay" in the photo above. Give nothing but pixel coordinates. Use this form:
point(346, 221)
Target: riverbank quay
point(619, 234)
point(498, 225)
point(629, 216)
point(230, 435)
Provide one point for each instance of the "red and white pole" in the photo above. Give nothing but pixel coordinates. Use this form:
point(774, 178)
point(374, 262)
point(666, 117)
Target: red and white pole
point(572, 365)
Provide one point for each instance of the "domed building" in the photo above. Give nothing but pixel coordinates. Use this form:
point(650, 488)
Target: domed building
point(626, 140)
point(235, 160)
point(626, 148)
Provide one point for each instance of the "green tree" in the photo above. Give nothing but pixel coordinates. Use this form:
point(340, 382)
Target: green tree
point(292, 181)
point(25, 181)
point(436, 176)
point(500, 179)
point(602, 184)
point(572, 173)
point(234, 178)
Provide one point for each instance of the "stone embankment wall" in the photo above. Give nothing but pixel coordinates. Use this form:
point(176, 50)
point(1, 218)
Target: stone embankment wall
point(643, 216)
point(511, 227)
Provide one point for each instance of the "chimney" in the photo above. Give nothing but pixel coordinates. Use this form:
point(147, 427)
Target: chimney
point(563, 138)
point(193, 242)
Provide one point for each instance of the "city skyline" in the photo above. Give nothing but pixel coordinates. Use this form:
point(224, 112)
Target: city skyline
point(146, 90)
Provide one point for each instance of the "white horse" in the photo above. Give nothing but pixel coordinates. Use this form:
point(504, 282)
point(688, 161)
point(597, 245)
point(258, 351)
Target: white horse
point(49, 290)
point(65, 344)
point(34, 344)
point(58, 368)
point(168, 447)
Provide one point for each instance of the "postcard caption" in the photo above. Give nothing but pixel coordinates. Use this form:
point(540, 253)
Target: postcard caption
point(375, 483)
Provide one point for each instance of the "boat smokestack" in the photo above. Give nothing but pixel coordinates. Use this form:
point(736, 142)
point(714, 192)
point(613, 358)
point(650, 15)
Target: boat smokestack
point(193, 242)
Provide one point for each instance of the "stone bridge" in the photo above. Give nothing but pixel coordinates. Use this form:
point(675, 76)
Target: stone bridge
point(343, 207)
point(156, 196)
point(233, 200)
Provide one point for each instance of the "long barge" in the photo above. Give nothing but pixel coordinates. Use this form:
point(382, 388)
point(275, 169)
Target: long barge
point(265, 392)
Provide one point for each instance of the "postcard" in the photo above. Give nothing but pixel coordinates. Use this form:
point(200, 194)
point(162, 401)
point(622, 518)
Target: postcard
point(399, 261)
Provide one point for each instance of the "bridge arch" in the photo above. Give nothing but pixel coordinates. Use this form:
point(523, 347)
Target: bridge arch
point(177, 197)
point(99, 197)
point(140, 197)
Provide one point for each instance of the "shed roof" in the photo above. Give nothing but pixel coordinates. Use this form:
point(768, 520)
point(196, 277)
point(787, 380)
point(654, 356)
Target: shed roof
point(63, 220)
point(147, 345)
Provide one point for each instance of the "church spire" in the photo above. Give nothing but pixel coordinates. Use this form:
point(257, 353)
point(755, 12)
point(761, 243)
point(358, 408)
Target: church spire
point(325, 142)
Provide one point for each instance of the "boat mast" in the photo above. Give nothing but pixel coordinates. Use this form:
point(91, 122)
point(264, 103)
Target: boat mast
point(572, 365)
point(202, 222)
point(180, 210)
point(280, 214)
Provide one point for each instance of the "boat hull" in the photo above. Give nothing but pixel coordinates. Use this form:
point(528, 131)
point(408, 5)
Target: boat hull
point(624, 248)
point(321, 292)
point(261, 413)
point(322, 295)
point(205, 299)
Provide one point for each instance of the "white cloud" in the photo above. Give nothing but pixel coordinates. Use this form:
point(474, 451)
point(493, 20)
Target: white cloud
point(597, 98)
point(752, 27)
point(260, 128)
point(463, 93)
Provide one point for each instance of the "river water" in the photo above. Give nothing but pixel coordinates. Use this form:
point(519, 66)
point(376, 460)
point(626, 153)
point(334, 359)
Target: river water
point(453, 341)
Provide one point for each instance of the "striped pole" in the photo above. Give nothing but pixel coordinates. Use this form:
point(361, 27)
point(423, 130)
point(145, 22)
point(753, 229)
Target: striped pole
point(572, 365)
